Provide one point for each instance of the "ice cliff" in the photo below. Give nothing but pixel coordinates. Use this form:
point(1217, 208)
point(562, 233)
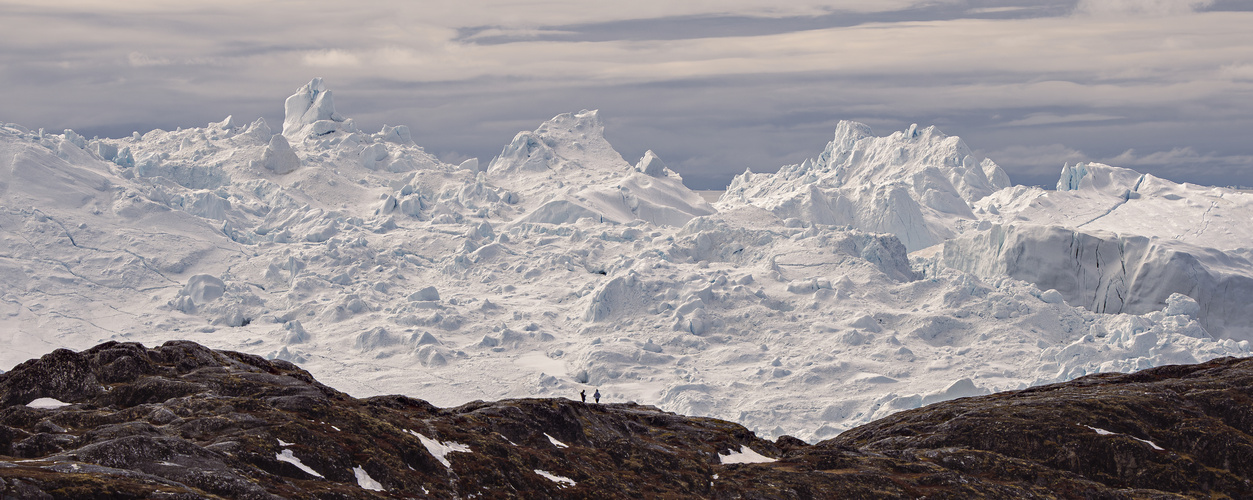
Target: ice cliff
point(1110, 273)
point(1111, 239)
point(1094, 196)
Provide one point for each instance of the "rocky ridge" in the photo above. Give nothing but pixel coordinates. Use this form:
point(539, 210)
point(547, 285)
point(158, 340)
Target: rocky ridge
point(184, 421)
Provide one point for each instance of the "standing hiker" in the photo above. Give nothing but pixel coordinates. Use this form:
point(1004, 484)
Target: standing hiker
point(583, 395)
point(596, 396)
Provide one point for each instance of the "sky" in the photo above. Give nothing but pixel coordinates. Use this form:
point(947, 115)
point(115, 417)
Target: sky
point(713, 87)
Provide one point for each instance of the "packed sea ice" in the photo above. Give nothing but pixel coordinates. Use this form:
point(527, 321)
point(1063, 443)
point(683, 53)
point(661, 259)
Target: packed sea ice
point(884, 274)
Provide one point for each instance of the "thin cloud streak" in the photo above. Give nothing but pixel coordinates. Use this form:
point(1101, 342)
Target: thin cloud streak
point(1120, 8)
point(1054, 119)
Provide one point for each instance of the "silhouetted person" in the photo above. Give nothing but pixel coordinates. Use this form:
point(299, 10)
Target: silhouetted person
point(583, 394)
point(596, 396)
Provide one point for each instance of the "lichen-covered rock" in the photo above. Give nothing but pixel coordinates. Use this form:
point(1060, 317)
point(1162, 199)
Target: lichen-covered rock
point(62, 374)
point(1182, 429)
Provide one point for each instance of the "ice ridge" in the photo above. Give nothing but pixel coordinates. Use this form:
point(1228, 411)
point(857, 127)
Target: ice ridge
point(917, 184)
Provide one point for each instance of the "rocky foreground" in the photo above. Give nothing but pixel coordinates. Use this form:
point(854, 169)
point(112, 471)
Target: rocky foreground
point(184, 421)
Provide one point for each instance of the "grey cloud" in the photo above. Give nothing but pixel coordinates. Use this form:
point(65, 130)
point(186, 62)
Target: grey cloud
point(1054, 119)
point(1139, 7)
point(1229, 6)
point(709, 107)
point(689, 27)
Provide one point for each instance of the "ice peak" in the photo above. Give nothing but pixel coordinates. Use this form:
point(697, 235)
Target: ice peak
point(316, 85)
point(848, 133)
point(582, 123)
point(913, 183)
point(916, 133)
point(310, 111)
point(651, 165)
point(227, 124)
point(398, 134)
point(856, 152)
point(568, 140)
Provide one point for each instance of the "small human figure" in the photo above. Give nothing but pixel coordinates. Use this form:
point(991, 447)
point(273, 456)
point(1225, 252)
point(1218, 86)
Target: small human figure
point(583, 394)
point(596, 396)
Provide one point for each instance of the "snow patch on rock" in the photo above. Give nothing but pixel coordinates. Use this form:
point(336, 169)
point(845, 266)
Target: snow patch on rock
point(365, 481)
point(744, 455)
point(440, 450)
point(289, 457)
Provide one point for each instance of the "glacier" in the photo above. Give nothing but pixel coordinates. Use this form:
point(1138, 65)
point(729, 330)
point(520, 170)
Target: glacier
point(884, 274)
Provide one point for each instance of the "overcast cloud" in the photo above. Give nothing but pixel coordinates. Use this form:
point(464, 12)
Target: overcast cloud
point(714, 87)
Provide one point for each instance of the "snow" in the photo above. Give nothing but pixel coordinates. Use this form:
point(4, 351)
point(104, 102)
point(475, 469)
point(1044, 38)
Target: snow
point(1150, 443)
point(564, 481)
point(284, 443)
point(440, 450)
point(555, 442)
point(744, 455)
point(46, 404)
point(287, 456)
point(1104, 432)
point(791, 305)
point(279, 156)
point(203, 289)
point(365, 481)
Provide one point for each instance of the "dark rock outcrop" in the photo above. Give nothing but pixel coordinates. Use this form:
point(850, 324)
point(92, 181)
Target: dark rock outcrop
point(1184, 429)
point(184, 421)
